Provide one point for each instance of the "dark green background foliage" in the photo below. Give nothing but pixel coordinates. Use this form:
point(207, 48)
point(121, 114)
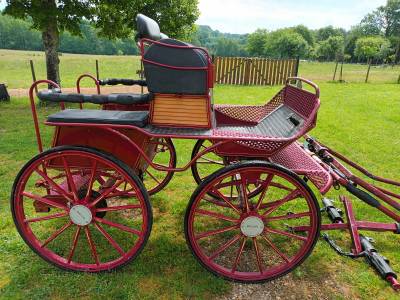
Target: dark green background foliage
point(324, 44)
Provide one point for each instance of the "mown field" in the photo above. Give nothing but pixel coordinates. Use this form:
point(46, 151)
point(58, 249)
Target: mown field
point(359, 120)
point(16, 73)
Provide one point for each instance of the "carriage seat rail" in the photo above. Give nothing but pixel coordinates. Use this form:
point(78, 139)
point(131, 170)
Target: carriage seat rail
point(123, 81)
point(55, 95)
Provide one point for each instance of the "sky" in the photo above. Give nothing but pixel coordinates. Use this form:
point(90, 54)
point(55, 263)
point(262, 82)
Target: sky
point(245, 16)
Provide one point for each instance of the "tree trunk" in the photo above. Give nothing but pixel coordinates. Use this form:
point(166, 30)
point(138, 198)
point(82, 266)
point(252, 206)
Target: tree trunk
point(397, 55)
point(369, 68)
point(50, 38)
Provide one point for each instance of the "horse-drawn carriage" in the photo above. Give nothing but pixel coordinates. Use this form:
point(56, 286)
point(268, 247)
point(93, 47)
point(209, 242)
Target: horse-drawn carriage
point(84, 203)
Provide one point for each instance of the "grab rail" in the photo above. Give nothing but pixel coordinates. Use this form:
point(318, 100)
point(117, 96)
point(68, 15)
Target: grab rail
point(310, 83)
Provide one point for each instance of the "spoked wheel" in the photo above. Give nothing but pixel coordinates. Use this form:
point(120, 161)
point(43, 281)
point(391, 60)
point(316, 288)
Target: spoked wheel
point(68, 208)
point(209, 163)
point(252, 239)
point(165, 155)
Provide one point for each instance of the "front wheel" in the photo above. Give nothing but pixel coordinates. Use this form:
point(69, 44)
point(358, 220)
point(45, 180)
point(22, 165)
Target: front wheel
point(252, 239)
point(67, 206)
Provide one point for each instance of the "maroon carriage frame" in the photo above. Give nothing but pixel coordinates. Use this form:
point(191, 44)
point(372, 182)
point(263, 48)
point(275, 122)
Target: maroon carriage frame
point(289, 159)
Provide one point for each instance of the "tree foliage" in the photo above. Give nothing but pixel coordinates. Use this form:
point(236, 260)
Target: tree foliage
point(113, 19)
point(373, 47)
point(331, 49)
point(285, 44)
point(256, 42)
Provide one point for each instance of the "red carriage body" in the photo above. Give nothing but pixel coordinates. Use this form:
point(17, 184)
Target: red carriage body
point(101, 161)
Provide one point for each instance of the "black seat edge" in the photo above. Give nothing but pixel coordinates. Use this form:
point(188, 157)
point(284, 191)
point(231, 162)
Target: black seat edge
point(124, 99)
point(95, 116)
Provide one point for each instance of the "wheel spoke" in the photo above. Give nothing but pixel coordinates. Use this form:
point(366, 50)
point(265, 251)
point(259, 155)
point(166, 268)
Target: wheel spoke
point(224, 247)
point(238, 255)
point(288, 217)
point(109, 239)
point(56, 234)
point(275, 248)
point(54, 185)
point(264, 186)
point(70, 179)
point(119, 226)
point(278, 203)
point(216, 215)
point(92, 245)
point(216, 231)
point(257, 252)
point(49, 217)
point(74, 243)
point(119, 207)
point(44, 200)
point(152, 176)
point(226, 200)
point(91, 181)
point(244, 193)
point(288, 234)
point(106, 192)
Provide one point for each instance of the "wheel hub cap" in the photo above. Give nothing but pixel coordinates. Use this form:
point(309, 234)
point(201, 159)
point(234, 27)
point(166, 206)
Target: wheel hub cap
point(80, 215)
point(252, 226)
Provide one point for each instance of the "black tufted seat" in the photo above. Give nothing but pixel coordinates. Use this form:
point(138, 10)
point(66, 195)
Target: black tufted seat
point(94, 116)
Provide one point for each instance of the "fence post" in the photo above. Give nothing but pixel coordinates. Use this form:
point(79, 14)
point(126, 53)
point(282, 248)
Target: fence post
point(341, 72)
point(398, 80)
point(297, 66)
point(334, 74)
point(369, 67)
point(247, 71)
point(97, 70)
point(33, 74)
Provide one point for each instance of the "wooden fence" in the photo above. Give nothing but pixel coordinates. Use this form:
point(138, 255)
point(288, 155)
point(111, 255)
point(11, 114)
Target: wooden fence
point(254, 71)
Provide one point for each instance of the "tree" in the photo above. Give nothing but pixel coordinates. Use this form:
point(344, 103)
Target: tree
point(256, 42)
point(324, 33)
point(373, 47)
point(331, 48)
point(305, 33)
point(386, 20)
point(285, 43)
point(51, 17)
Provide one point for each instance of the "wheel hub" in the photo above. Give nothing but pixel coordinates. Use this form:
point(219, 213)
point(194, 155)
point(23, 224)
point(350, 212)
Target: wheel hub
point(252, 226)
point(80, 215)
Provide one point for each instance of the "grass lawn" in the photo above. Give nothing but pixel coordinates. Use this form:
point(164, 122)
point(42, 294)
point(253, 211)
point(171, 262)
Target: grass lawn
point(15, 70)
point(360, 120)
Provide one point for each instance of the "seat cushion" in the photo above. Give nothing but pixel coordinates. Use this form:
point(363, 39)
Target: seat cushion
point(117, 98)
point(94, 116)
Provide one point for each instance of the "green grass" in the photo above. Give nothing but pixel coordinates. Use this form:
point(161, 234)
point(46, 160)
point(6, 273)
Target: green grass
point(355, 119)
point(15, 70)
point(359, 120)
point(16, 73)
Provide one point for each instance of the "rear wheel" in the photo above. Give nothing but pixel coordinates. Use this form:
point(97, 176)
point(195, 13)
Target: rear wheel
point(67, 206)
point(165, 155)
point(252, 239)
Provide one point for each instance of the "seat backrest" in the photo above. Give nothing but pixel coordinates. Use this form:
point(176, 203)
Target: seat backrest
point(147, 28)
point(166, 80)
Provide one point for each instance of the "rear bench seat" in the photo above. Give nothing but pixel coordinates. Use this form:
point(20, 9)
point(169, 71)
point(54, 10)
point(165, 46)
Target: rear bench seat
point(94, 116)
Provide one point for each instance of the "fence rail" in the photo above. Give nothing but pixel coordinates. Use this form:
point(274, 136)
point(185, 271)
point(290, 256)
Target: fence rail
point(254, 71)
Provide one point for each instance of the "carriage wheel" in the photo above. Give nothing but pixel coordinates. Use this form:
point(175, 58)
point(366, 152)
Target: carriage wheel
point(210, 163)
point(89, 224)
point(252, 239)
point(165, 155)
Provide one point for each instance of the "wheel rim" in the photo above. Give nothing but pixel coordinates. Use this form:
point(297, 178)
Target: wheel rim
point(165, 155)
point(248, 239)
point(209, 163)
point(76, 234)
